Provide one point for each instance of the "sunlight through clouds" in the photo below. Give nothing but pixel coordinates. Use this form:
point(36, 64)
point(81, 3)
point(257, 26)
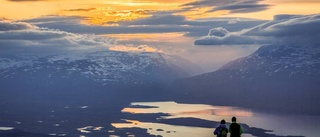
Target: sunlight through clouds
point(133, 48)
point(165, 25)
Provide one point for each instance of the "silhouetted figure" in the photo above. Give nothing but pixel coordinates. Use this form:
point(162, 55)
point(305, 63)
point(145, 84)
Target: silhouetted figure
point(235, 129)
point(221, 130)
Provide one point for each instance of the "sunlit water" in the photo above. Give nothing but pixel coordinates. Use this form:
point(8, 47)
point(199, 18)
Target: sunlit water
point(281, 124)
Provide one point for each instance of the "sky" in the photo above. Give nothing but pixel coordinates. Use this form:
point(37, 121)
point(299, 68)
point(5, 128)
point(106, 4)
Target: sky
point(209, 33)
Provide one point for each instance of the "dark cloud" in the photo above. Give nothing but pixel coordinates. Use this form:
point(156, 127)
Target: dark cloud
point(31, 35)
point(244, 7)
point(204, 3)
point(288, 26)
point(54, 20)
point(82, 9)
point(284, 29)
point(234, 6)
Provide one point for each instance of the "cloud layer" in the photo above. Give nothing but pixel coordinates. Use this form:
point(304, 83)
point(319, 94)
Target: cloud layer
point(233, 6)
point(158, 23)
point(283, 29)
point(24, 38)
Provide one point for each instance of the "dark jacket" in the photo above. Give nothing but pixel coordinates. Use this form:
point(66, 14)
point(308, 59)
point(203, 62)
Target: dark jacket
point(235, 130)
point(219, 129)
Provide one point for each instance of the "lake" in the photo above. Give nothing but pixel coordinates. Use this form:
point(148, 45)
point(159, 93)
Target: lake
point(279, 124)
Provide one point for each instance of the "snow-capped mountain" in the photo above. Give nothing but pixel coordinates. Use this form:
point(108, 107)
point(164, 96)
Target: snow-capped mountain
point(278, 77)
point(107, 67)
point(271, 59)
point(68, 91)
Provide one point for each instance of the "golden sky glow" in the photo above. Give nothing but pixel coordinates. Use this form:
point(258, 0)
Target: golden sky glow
point(128, 48)
point(154, 37)
point(105, 12)
point(96, 11)
point(168, 26)
point(108, 12)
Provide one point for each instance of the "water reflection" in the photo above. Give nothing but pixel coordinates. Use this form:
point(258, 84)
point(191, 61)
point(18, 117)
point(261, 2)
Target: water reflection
point(166, 130)
point(179, 110)
point(280, 124)
point(176, 110)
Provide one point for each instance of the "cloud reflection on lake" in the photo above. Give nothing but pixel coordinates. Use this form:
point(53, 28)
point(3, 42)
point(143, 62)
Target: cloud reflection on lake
point(265, 123)
point(177, 110)
point(166, 130)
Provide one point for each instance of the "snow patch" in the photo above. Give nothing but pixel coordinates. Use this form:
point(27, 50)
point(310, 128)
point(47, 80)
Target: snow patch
point(6, 128)
point(89, 129)
point(83, 107)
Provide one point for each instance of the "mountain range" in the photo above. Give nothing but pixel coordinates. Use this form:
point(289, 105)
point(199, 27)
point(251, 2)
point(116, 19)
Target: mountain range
point(275, 77)
point(104, 68)
point(68, 91)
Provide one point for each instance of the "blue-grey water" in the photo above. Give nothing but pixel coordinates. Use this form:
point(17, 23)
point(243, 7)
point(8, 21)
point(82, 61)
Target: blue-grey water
point(281, 124)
